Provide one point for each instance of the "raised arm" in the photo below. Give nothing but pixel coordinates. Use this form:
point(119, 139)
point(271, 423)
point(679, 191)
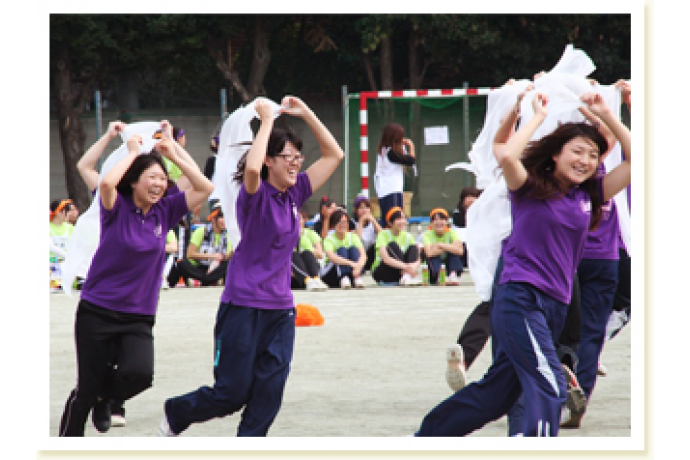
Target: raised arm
point(508, 158)
point(107, 187)
point(507, 126)
point(201, 186)
point(619, 178)
point(331, 153)
point(257, 152)
point(87, 163)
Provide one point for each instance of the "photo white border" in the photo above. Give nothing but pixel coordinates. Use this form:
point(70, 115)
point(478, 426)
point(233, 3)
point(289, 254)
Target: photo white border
point(638, 348)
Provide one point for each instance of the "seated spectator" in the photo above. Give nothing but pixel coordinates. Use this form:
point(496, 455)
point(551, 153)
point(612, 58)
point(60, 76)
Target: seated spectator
point(208, 252)
point(171, 247)
point(305, 266)
point(60, 228)
point(397, 255)
point(367, 227)
point(345, 255)
point(326, 208)
point(442, 246)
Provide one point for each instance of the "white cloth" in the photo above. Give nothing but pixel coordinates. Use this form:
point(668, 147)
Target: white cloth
point(83, 243)
point(235, 131)
point(488, 219)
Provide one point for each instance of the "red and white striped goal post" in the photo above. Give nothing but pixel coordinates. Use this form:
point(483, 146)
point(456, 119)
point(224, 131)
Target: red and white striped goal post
point(365, 96)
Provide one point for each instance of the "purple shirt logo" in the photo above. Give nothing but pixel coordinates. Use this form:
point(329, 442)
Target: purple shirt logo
point(158, 231)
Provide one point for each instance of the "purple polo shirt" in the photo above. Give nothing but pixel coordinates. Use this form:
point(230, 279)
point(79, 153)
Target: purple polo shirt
point(603, 242)
point(126, 271)
point(259, 271)
point(547, 240)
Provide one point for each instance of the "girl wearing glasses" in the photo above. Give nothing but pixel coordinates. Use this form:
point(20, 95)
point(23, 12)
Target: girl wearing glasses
point(255, 325)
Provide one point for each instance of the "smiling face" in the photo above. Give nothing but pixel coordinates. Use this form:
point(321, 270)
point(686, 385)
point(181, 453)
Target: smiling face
point(283, 168)
point(399, 224)
point(150, 186)
point(577, 161)
point(439, 223)
point(342, 226)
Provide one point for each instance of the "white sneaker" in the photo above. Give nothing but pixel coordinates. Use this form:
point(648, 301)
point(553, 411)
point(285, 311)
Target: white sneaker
point(406, 278)
point(359, 283)
point(324, 286)
point(416, 281)
point(453, 280)
point(312, 284)
point(345, 283)
point(117, 420)
point(601, 370)
point(455, 374)
point(164, 430)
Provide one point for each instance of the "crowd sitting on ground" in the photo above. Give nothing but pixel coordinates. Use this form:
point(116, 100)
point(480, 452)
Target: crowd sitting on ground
point(334, 255)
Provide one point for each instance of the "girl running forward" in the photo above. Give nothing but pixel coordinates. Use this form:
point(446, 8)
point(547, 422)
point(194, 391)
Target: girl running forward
point(255, 326)
point(556, 198)
point(120, 295)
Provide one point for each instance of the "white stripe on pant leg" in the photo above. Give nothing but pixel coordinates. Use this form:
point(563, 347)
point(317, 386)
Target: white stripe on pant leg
point(543, 363)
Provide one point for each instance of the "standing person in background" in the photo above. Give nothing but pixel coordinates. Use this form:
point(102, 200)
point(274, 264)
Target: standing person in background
point(255, 326)
point(394, 152)
point(210, 167)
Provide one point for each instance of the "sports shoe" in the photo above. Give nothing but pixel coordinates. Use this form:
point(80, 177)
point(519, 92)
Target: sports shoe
point(164, 429)
point(312, 284)
point(100, 415)
point(408, 280)
point(574, 420)
point(359, 283)
point(345, 283)
point(453, 280)
point(117, 420)
point(576, 400)
point(601, 370)
point(416, 281)
point(323, 286)
point(455, 374)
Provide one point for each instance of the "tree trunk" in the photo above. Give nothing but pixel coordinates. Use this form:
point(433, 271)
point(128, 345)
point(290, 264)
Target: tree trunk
point(261, 59)
point(70, 108)
point(417, 70)
point(228, 72)
point(370, 72)
point(386, 64)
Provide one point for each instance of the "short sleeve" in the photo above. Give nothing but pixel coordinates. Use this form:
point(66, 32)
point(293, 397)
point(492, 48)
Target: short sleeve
point(176, 208)
point(197, 237)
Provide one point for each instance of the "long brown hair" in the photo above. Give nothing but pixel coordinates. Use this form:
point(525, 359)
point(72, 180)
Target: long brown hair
point(539, 163)
point(392, 136)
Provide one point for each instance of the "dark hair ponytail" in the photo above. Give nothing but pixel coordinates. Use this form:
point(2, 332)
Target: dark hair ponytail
point(276, 143)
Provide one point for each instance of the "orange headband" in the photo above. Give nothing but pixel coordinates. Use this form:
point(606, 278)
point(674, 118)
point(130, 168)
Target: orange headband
point(213, 214)
point(438, 211)
point(60, 207)
point(392, 211)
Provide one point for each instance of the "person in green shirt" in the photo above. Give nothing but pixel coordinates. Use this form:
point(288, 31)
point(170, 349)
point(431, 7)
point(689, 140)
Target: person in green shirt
point(397, 255)
point(442, 245)
point(60, 229)
point(208, 252)
point(345, 254)
point(305, 266)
